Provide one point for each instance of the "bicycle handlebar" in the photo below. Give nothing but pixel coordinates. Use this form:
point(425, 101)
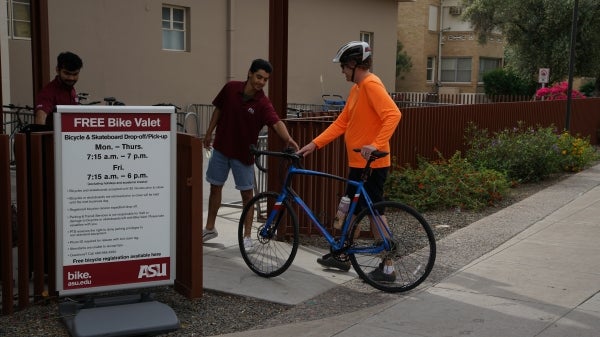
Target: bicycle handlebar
point(291, 155)
point(16, 107)
point(288, 154)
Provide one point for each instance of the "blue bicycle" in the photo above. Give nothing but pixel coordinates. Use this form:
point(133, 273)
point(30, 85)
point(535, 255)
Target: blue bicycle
point(386, 234)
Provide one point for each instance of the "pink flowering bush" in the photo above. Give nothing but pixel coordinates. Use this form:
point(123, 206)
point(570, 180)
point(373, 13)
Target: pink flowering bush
point(556, 92)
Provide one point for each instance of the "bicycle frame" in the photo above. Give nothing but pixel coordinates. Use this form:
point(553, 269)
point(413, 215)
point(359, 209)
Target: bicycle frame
point(336, 245)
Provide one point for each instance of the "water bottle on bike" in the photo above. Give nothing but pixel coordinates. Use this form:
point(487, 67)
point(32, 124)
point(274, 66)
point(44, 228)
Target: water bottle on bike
point(342, 210)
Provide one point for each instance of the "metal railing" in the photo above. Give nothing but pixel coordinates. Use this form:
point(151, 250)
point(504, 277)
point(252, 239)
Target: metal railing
point(203, 114)
point(10, 125)
point(422, 99)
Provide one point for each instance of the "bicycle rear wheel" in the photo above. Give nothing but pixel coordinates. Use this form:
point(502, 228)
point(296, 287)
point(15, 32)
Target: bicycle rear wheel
point(274, 243)
point(412, 253)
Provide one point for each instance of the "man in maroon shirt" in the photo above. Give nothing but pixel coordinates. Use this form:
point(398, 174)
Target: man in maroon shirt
point(241, 111)
point(60, 91)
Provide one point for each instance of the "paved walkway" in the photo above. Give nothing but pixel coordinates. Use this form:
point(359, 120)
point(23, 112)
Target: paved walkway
point(225, 271)
point(537, 274)
point(542, 279)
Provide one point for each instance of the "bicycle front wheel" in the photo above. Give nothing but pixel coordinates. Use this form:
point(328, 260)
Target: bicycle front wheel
point(273, 233)
point(409, 257)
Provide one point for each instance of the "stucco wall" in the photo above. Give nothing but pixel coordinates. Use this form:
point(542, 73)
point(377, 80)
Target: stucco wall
point(120, 44)
point(318, 28)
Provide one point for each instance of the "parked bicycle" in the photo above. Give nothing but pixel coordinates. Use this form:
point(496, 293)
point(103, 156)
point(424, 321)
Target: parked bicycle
point(83, 96)
point(20, 117)
point(296, 112)
point(384, 231)
point(112, 101)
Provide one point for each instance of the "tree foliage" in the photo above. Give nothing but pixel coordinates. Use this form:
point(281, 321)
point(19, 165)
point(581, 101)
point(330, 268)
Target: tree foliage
point(506, 82)
point(538, 33)
point(403, 61)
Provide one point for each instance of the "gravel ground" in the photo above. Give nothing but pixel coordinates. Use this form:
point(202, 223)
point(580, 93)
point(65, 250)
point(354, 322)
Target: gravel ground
point(219, 313)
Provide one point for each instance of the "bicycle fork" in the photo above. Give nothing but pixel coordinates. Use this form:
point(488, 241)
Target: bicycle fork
point(274, 218)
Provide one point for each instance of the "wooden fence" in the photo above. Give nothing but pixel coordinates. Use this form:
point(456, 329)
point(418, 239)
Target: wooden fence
point(36, 247)
point(421, 132)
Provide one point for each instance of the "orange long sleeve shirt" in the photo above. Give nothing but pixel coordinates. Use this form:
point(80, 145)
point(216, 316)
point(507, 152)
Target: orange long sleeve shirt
point(370, 117)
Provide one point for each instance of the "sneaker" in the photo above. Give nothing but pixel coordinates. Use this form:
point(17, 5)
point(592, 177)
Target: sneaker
point(378, 275)
point(209, 234)
point(330, 262)
point(248, 245)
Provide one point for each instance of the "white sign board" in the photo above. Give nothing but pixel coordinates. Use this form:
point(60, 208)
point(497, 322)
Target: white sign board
point(115, 197)
point(544, 75)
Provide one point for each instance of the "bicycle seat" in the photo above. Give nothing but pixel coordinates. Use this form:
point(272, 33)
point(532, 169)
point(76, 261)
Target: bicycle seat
point(379, 154)
point(376, 154)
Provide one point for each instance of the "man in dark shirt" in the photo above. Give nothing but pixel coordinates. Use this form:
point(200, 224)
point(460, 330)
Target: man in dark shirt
point(60, 91)
point(241, 110)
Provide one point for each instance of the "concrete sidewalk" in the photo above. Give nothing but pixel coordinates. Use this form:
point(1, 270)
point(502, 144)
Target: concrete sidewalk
point(224, 269)
point(543, 279)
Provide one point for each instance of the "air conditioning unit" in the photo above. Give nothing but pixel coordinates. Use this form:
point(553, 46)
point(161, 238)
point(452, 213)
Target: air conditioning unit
point(455, 10)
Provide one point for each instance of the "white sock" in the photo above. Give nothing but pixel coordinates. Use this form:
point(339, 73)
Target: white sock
point(388, 269)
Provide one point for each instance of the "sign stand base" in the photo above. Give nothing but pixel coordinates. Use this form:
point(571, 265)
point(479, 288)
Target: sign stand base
point(128, 315)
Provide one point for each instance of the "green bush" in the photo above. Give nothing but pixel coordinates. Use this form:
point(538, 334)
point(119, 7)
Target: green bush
point(524, 154)
point(505, 82)
point(527, 154)
point(588, 88)
point(445, 184)
point(493, 163)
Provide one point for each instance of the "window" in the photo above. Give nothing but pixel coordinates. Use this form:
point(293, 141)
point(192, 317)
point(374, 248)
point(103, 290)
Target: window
point(487, 64)
point(174, 28)
point(432, 24)
point(19, 20)
point(456, 69)
point(430, 68)
point(367, 37)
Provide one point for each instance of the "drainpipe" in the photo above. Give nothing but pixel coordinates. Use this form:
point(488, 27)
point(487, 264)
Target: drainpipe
point(438, 80)
point(230, 39)
point(4, 62)
point(40, 45)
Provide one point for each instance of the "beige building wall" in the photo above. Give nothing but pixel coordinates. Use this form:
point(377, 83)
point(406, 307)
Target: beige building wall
point(317, 28)
point(120, 43)
point(419, 43)
point(464, 43)
point(425, 33)
point(20, 73)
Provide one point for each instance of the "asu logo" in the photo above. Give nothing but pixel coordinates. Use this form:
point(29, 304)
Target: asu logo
point(153, 270)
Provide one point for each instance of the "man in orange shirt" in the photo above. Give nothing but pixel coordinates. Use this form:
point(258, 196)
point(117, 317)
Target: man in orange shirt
point(367, 122)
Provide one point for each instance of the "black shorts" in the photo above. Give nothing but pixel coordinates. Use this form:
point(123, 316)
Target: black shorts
point(373, 186)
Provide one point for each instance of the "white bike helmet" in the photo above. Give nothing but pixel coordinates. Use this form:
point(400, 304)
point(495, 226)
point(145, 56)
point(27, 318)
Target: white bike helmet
point(354, 50)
